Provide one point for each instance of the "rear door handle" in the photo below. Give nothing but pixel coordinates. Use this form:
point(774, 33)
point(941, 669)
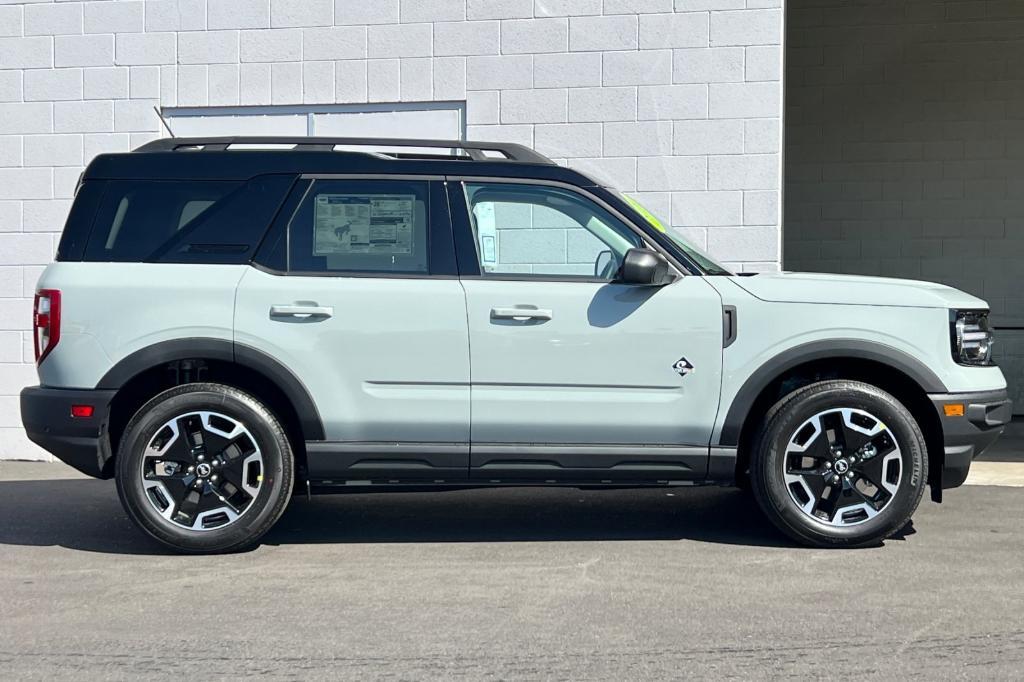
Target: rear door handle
point(520, 314)
point(302, 311)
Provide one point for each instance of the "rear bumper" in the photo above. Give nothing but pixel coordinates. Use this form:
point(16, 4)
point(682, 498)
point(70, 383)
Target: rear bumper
point(985, 415)
point(78, 441)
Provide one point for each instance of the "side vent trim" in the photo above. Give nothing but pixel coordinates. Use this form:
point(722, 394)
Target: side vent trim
point(729, 329)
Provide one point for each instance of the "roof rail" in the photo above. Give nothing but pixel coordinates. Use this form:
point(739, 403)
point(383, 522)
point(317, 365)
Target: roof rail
point(476, 151)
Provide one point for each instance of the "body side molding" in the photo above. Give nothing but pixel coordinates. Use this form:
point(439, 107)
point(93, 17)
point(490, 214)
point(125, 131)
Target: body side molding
point(820, 350)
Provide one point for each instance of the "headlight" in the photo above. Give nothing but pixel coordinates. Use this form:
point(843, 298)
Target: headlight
point(971, 337)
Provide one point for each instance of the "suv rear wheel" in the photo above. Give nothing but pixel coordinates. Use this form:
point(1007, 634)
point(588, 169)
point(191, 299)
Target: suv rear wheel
point(839, 463)
point(204, 468)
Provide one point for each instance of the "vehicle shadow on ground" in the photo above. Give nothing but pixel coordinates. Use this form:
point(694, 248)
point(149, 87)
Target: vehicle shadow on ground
point(86, 515)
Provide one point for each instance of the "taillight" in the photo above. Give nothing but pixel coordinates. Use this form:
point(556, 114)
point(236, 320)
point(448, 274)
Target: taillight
point(46, 322)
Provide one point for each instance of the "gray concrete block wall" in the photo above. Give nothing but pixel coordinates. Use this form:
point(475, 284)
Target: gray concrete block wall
point(674, 101)
point(905, 147)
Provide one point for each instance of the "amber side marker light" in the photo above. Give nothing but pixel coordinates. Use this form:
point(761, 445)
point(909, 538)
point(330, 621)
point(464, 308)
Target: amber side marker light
point(954, 409)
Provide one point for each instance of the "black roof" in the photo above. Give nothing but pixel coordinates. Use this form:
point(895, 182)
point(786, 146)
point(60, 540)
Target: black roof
point(240, 158)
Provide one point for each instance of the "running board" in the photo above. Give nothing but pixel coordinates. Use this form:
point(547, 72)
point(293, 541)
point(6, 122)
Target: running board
point(362, 466)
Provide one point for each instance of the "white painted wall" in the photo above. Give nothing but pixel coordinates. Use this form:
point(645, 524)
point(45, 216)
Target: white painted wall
point(905, 148)
point(676, 101)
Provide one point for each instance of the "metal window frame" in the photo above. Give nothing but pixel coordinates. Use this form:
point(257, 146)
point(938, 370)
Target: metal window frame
point(310, 110)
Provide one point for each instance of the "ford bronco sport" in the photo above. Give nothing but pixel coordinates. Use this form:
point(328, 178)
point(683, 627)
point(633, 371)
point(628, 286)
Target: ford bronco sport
point(232, 320)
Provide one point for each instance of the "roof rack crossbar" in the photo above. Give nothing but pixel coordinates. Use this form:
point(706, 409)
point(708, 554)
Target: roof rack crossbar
point(477, 151)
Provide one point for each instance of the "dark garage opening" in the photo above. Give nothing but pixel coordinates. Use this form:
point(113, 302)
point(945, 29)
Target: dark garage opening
point(904, 154)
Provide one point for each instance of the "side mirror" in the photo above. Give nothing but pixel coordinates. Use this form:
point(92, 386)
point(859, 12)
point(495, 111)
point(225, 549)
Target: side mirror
point(645, 268)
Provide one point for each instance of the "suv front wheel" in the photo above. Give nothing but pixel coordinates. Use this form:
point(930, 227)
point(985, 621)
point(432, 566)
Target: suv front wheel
point(204, 468)
point(839, 463)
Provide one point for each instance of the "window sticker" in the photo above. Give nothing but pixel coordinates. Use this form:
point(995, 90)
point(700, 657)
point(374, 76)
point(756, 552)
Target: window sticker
point(487, 232)
point(352, 223)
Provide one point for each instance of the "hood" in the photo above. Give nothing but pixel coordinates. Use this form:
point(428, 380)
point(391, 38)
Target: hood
point(812, 287)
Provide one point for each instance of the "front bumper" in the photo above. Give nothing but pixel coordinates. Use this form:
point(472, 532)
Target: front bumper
point(79, 441)
point(967, 435)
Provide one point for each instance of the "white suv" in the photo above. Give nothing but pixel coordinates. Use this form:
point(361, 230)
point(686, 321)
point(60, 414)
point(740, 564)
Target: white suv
point(227, 323)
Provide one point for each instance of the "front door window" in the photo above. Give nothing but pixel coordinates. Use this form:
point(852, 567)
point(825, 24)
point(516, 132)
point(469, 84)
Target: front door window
point(542, 231)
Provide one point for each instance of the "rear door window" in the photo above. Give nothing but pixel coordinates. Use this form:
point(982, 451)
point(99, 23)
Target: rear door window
point(361, 226)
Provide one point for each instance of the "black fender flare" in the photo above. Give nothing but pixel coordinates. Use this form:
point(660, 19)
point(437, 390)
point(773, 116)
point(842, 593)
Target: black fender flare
point(226, 351)
point(817, 351)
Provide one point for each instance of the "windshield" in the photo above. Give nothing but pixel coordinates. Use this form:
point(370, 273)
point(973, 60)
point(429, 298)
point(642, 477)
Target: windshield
point(706, 262)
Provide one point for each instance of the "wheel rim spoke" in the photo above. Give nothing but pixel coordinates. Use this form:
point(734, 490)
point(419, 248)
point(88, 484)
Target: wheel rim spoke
point(188, 508)
point(202, 470)
point(191, 430)
point(832, 502)
point(877, 499)
point(231, 482)
point(224, 498)
point(842, 466)
point(871, 471)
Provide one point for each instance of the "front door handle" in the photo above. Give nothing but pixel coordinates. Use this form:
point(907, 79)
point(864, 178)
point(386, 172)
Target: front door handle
point(301, 311)
point(520, 314)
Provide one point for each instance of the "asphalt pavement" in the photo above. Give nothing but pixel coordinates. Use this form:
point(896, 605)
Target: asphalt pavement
point(506, 584)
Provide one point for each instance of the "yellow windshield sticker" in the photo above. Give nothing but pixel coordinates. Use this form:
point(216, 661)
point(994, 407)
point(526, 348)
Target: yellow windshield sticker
point(650, 217)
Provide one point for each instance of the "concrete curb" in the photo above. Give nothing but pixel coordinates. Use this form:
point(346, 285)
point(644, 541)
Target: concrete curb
point(997, 473)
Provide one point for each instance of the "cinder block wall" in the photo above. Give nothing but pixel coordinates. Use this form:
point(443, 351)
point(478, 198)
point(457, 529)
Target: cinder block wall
point(677, 102)
point(905, 148)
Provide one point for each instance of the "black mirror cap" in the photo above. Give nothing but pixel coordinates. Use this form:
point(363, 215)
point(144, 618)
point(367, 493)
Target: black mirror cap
point(645, 267)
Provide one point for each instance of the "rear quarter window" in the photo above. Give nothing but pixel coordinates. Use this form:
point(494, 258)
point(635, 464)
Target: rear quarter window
point(184, 221)
point(79, 223)
point(136, 218)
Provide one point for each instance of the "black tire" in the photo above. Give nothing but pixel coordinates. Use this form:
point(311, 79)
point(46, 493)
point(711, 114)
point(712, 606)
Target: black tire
point(768, 464)
point(276, 472)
